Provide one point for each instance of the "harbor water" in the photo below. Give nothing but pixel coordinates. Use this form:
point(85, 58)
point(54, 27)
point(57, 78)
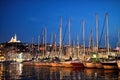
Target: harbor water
point(16, 71)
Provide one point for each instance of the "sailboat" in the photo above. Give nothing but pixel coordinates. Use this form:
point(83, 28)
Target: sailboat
point(93, 61)
point(109, 64)
point(88, 63)
point(57, 62)
point(71, 63)
point(98, 63)
point(77, 62)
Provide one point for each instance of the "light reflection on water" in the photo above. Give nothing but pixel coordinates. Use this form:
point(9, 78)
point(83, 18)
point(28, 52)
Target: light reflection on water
point(17, 71)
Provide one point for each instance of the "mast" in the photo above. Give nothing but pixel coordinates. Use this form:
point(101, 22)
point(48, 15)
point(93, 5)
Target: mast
point(107, 35)
point(60, 36)
point(118, 38)
point(83, 23)
point(38, 42)
point(97, 31)
point(51, 38)
point(38, 46)
point(73, 55)
point(55, 43)
point(44, 41)
point(32, 45)
point(15, 38)
point(90, 40)
point(78, 46)
point(69, 31)
point(69, 39)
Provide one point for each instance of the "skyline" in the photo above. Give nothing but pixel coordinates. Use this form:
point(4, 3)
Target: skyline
point(28, 18)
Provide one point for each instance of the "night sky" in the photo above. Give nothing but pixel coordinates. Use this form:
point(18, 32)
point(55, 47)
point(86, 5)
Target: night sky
point(27, 18)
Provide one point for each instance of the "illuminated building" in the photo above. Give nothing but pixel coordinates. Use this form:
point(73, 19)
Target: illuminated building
point(14, 40)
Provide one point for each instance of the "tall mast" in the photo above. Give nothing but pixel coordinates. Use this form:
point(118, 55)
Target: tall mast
point(69, 31)
point(55, 43)
point(15, 37)
point(60, 35)
point(78, 45)
point(32, 44)
point(90, 40)
point(107, 35)
point(45, 33)
point(52, 38)
point(38, 42)
point(97, 30)
point(73, 55)
point(44, 41)
point(60, 31)
point(118, 38)
point(83, 23)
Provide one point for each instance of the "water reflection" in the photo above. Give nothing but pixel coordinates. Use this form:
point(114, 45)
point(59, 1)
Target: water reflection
point(65, 73)
point(111, 74)
point(16, 71)
point(10, 71)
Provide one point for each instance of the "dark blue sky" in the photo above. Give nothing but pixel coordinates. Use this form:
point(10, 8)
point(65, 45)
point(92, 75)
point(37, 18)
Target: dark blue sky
point(26, 18)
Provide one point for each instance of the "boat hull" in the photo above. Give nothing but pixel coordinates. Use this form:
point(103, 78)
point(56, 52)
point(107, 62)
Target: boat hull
point(99, 65)
point(118, 64)
point(75, 64)
point(108, 65)
point(42, 64)
point(72, 64)
point(28, 63)
point(90, 65)
point(67, 64)
point(55, 64)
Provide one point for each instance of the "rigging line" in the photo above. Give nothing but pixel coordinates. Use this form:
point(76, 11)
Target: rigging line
point(102, 32)
point(57, 35)
point(64, 34)
point(42, 35)
point(80, 32)
point(90, 39)
point(50, 38)
point(58, 31)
